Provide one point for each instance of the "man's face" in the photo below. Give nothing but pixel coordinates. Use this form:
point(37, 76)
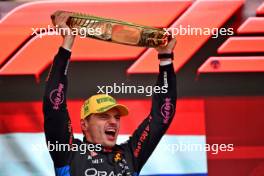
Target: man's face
point(102, 128)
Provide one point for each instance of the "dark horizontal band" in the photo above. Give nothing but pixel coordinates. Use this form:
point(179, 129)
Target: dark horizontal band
point(166, 56)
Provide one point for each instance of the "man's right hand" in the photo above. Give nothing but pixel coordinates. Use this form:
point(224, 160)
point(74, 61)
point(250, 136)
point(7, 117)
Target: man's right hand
point(59, 19)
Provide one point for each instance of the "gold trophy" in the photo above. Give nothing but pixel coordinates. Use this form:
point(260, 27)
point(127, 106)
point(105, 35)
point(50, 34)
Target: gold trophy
point(117, 31)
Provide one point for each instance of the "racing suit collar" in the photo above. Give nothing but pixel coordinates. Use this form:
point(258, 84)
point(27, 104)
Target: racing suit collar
point(104, 149)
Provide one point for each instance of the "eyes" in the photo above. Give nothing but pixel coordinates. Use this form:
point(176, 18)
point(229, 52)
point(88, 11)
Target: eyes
point(107, 116)
point(117, 117)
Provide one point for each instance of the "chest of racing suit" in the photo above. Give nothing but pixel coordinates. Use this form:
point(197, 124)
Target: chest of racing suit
point(112, 162)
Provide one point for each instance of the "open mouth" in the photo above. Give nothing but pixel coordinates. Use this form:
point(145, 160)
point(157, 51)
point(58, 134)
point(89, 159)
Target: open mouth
point(110, 133)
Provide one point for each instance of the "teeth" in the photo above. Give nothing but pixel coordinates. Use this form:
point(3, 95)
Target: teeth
point(111, 129)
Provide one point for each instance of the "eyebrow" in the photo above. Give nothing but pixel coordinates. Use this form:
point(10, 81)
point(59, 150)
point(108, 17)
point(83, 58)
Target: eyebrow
point(105, 114)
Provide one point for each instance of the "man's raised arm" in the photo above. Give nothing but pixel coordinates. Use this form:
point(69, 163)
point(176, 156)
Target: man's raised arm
point(147, 136)
point(56, 118)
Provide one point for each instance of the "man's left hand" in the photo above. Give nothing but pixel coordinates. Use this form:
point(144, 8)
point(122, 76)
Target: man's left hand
point(167, 49)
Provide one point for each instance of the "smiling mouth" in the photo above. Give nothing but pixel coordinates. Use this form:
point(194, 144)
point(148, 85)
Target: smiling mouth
point(110, 133)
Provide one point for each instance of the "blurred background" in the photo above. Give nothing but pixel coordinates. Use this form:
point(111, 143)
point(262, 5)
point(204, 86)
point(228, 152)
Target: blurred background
point(220, 82)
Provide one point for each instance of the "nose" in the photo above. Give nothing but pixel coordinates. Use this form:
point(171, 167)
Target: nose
point(112, 120)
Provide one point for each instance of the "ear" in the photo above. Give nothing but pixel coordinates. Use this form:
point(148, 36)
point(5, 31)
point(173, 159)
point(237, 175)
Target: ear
point(84, 125)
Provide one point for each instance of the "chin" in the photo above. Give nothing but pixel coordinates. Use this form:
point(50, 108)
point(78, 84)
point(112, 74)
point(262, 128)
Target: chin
point(109, 144)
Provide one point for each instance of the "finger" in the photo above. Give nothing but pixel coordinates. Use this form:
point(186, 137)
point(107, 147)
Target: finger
point(61, 20)
point(55, 14)
point(59, 16)
point(66, 16)
point(52, 16)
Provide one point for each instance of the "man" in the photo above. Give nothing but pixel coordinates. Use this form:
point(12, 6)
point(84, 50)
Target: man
point(100, 120)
